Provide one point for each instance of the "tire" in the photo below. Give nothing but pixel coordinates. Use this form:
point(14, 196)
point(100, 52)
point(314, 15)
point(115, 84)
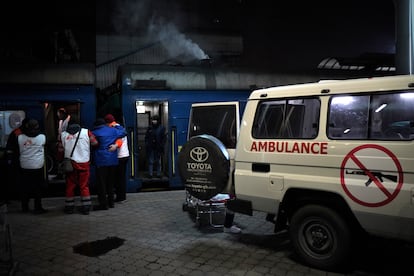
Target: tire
point(204, 166)
point(320, 237)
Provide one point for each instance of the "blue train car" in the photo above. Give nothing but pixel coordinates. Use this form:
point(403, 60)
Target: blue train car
point(38, 91)
point(169, 92)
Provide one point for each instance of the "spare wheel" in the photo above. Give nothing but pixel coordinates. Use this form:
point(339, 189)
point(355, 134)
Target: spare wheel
point(204, 166)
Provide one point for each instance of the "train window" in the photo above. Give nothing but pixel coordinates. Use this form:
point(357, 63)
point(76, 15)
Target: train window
point(9, 120)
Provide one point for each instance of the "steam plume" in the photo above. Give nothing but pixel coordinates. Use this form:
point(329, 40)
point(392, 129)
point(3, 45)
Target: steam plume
point(132, 15)
point(176, 43)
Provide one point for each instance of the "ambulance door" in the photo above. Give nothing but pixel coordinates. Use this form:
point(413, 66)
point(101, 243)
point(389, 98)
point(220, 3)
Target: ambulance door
point(221, 120)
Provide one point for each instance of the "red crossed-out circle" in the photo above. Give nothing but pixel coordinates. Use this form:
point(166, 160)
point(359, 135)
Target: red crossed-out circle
point(389, 195)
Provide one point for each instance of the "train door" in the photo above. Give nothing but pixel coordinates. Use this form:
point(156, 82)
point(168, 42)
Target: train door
point(145, 110)
point(51, 123)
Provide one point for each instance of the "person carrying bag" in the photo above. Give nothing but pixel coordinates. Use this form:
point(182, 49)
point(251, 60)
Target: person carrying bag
point(79, 151)
point(67, 162)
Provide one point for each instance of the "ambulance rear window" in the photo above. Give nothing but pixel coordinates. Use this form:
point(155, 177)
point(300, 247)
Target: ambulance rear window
point(219, 121)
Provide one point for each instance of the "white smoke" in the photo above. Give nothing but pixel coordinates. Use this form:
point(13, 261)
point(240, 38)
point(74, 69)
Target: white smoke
point(177, 44)
point(132, 15)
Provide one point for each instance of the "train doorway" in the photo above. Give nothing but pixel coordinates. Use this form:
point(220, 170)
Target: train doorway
point(145, 111)
point(55, 175)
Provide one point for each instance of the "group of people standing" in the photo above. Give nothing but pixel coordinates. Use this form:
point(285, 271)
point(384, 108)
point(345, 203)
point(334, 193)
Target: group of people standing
point(106, 144)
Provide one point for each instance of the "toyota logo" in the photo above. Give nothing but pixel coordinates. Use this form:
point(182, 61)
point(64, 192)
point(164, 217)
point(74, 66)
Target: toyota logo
point(199, 154)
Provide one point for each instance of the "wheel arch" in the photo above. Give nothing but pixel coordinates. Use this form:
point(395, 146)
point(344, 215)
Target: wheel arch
point(296, 198)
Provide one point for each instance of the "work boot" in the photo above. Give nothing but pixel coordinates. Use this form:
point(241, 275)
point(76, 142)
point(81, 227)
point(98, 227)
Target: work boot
point(38, 207)
point(25, 207)
point(85, 209)
point(233, 229)
point(69, 209)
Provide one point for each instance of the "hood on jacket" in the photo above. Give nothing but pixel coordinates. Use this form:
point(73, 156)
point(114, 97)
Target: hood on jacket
point(31, 128)
point(73, 128)
point(99, 122)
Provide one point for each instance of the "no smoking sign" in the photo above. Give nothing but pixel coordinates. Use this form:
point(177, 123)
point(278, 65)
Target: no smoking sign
point(378, 187)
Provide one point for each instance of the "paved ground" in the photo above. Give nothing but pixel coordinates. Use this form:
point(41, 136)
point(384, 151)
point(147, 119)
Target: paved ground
point(151, 235)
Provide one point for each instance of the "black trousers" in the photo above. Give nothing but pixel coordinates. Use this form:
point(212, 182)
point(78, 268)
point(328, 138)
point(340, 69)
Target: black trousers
point(32, 183)
point(105, 179)
point(120, 183)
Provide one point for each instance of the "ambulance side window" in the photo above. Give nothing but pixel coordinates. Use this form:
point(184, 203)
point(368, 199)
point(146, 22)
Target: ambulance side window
point(348, 117)
point(392, 116)
point(290, 118)
point(376, 116)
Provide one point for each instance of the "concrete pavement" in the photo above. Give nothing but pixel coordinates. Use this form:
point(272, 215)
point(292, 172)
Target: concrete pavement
point(150, 234)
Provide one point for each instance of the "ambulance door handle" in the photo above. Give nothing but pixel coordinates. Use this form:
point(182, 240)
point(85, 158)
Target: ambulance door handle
point(260, 167)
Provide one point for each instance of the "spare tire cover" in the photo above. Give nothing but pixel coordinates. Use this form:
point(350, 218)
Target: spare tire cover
point(204, 166)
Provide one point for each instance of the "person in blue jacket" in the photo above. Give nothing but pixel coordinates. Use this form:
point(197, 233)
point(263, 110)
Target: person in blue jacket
point(106, 161)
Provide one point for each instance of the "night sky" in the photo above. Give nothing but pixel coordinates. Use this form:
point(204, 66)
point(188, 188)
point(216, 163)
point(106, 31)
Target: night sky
point(285, 34)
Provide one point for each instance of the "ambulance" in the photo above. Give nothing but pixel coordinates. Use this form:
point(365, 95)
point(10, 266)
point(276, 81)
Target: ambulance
point(329, 162)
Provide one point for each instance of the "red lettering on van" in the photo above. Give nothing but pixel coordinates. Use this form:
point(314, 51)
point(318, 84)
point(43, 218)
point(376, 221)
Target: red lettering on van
point(289, 147)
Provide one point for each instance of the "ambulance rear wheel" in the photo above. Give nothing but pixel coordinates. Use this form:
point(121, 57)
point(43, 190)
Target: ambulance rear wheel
point(320, 237)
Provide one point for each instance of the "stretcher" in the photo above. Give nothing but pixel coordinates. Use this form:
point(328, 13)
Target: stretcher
point(211, 212)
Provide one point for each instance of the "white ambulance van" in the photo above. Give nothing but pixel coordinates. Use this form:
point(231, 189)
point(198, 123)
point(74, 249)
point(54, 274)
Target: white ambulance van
point(327, 161)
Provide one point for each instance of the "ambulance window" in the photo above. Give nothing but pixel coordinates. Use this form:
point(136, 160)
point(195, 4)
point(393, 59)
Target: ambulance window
point(392, 116)
point(348, 117)
point(218, 121)
point(294, 118)
point(372, 117)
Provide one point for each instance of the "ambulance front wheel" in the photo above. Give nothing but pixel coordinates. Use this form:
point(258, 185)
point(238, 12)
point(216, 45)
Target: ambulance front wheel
point(320, 237)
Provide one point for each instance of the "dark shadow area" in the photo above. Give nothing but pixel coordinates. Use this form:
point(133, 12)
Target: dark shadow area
point(154, 184)
point(374, 256)
point(99, 247)
point(275, 242)
point(379, 256)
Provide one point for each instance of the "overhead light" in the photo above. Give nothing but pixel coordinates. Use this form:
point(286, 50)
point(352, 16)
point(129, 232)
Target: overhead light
point(345, 100)
point(407, 95)
point(380, 108)
point(140, 109)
